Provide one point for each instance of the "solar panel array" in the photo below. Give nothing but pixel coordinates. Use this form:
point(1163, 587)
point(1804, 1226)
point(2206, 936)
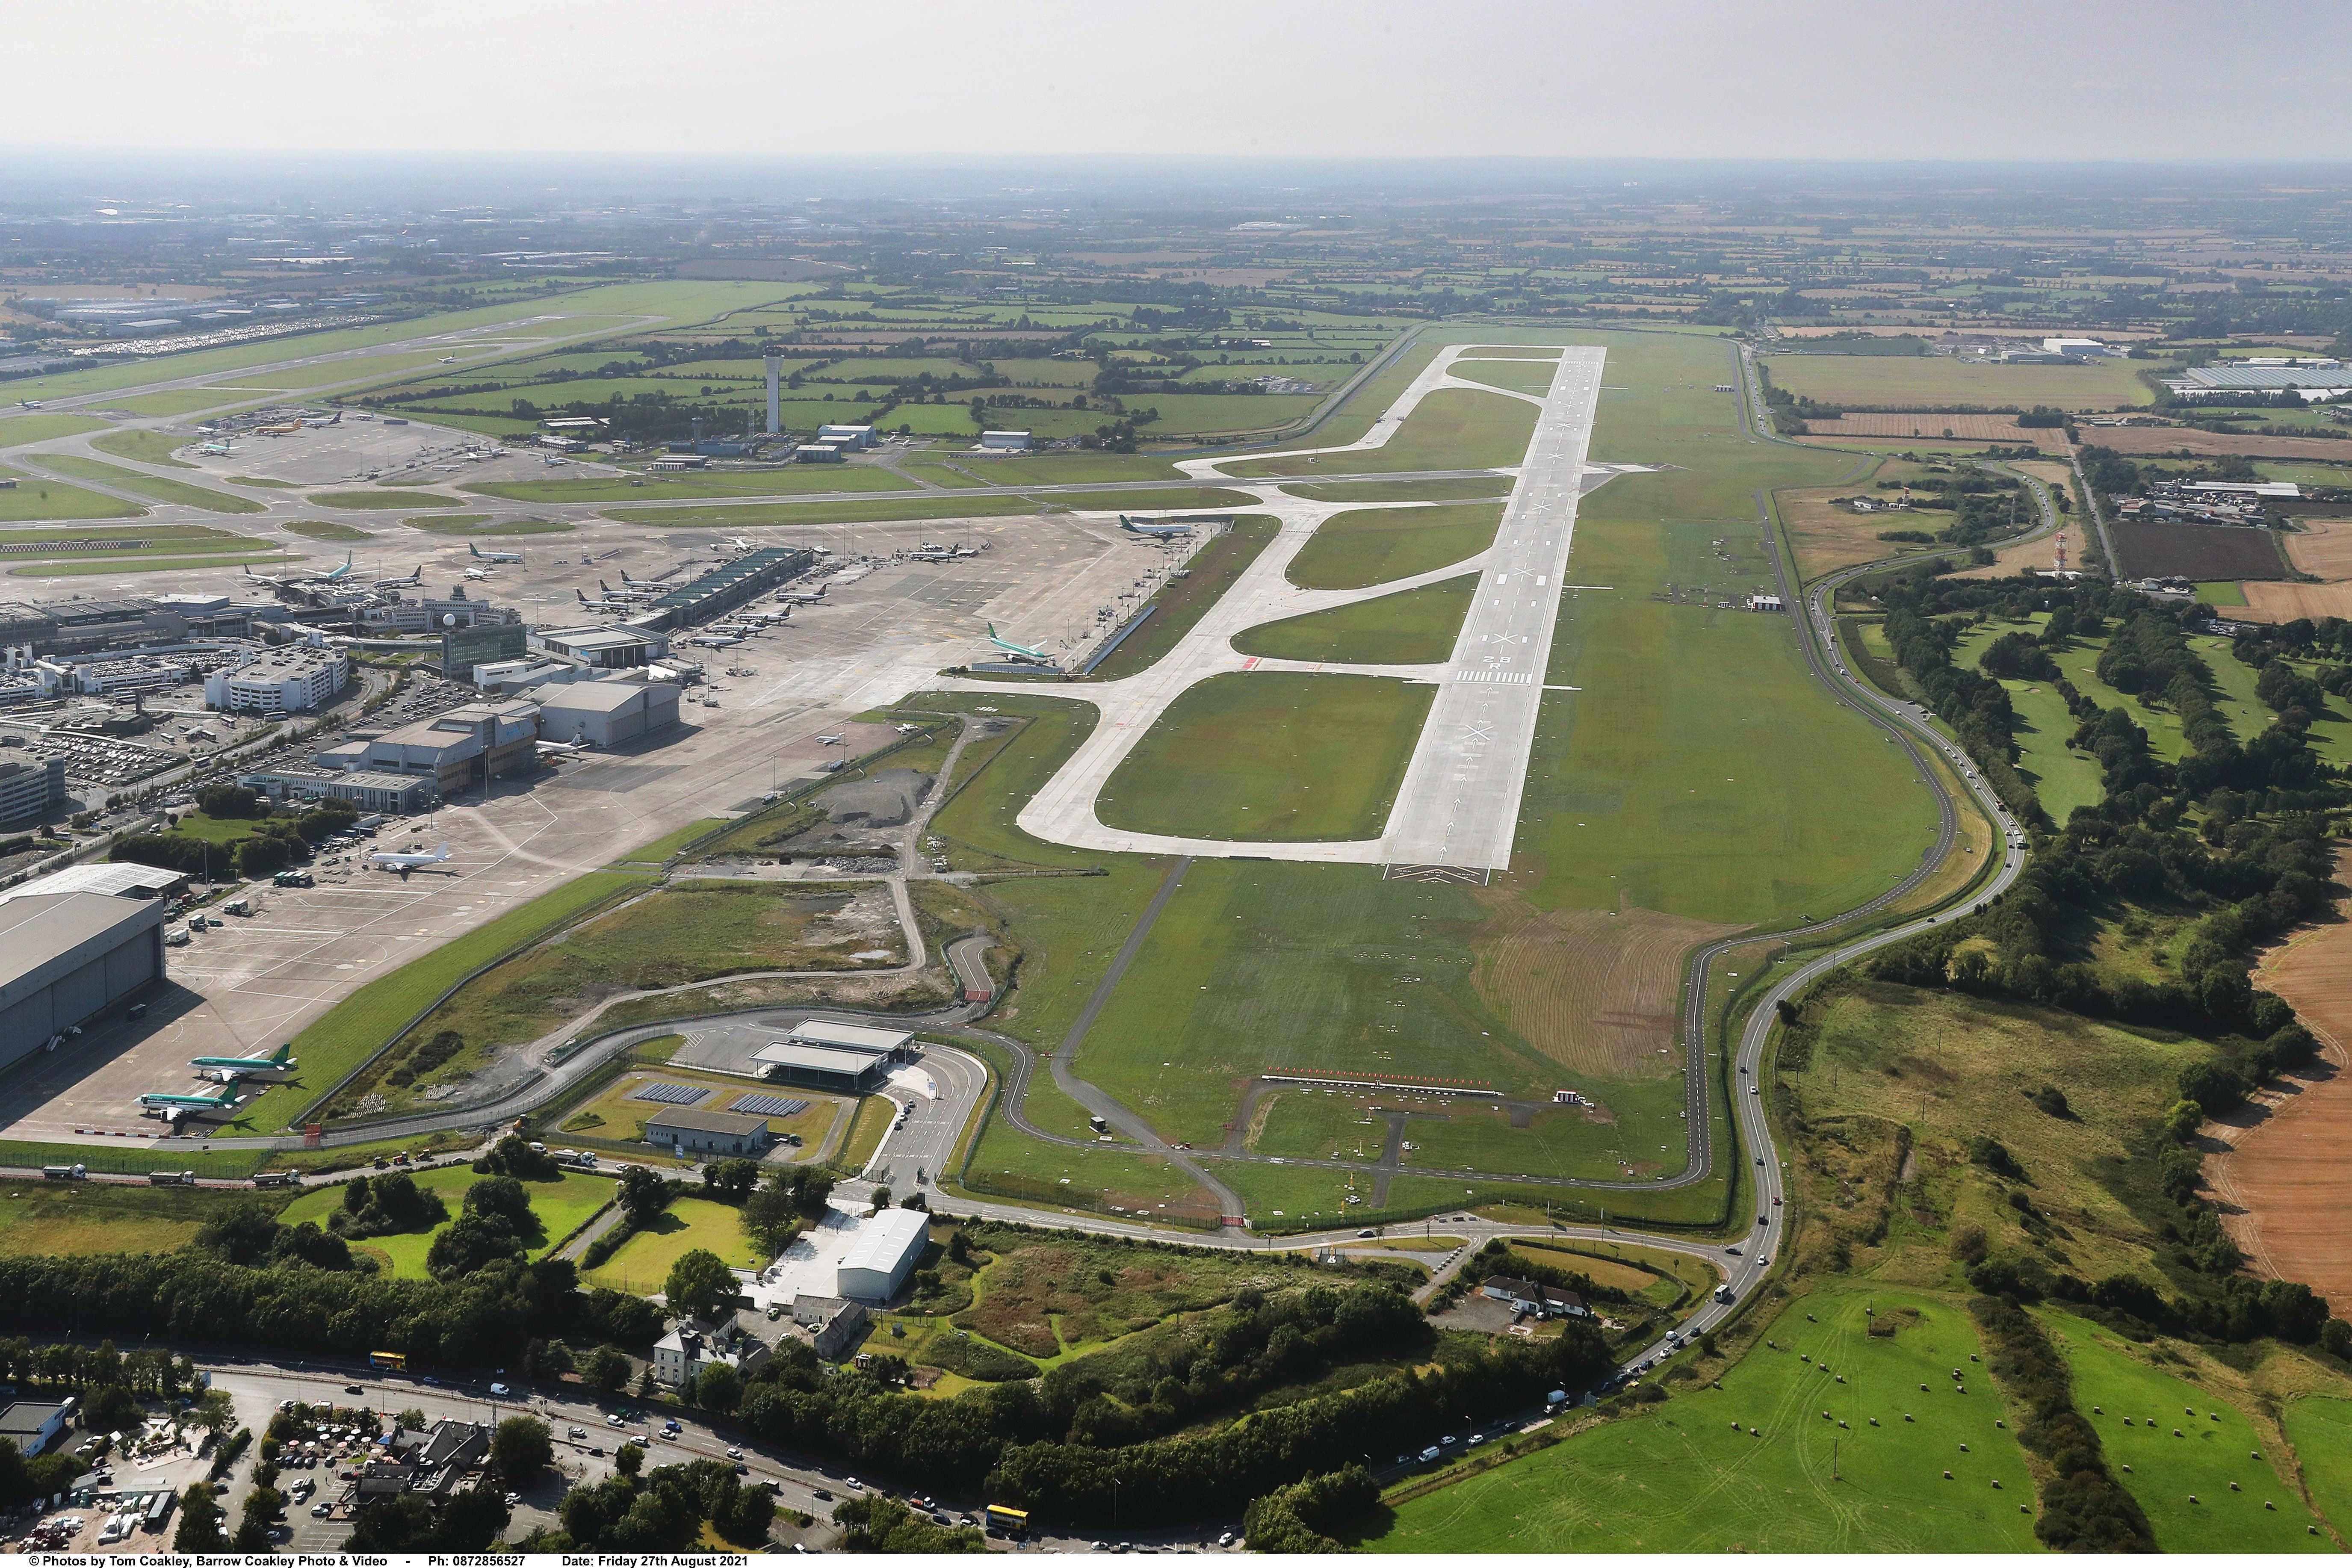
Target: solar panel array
point(672, 1094)
point(768, 1105)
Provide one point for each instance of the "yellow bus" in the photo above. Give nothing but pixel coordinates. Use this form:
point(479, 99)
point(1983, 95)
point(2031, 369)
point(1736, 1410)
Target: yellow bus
point(391, 1360)
point(1002, 1520)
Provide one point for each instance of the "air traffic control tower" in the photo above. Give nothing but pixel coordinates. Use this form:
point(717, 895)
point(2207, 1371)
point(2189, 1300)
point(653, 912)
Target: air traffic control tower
point(775, 366)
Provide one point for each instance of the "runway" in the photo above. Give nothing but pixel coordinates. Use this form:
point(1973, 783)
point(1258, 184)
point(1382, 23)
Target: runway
point(1458, 806)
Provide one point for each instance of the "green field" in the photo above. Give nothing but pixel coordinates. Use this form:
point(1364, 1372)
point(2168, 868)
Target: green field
point(1152, 501)
point(1533, 377)
point(1418, 626)
point(72, 1219)
point(800, 479)
point(148, 485)
point(2182, 1452)
point(95, 567)
point(642, 1265)
point(1450, 428)
point(2232, 594)
point(1273, 758)
point(1472, 1135)
point(1358, 549)
point(963, 504)
point(24, 429)
point(469, 523)
point(38, 499)
point(2321, 1431)
point(1403, 489)
point(1686, 775)
point(1689, 1476)
point(562, 1205)
point(338, 532)
point(379, 501)
point(357, 1028)
point(1885, 381)
point(190, 400)
point(143, 446)
point(678, 936)
point(1178, 607)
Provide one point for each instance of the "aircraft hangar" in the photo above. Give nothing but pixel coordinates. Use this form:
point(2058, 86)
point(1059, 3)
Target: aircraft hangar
point(67, 956)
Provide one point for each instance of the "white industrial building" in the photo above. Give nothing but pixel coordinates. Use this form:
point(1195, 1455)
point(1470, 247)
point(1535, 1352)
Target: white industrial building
point(114, 880)
point(67, 956)
point(1004, 440)
point(855, 438)
point(847, 1058)
point(886, 1252)
point(284, 681)
point(605, 714)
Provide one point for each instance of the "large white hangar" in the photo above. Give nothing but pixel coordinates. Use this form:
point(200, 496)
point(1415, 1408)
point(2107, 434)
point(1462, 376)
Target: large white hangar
point(67, 956)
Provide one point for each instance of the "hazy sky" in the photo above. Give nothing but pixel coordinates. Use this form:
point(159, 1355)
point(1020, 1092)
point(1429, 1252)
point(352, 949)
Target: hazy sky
point(1777, 79)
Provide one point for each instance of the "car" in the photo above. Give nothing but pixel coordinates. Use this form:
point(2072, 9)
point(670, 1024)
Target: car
point(853, 1483)
point(612, 1421)
point(1446, 1441)
point(1365, 1234)
point(514, 1499)
point(1227, 1539)
point(322, 1510)
point(596, 1451)
point(1776, 1203)
point(743, 1470)
point(1477, 1439)
point(354, 1388)
point(1733, 1249)
point(498, 1390)
point(734, 1453)
point(1429, 1456)
point(821, 1494)
point(1759, 1159)
point(574, 1433)
point(670, 1425)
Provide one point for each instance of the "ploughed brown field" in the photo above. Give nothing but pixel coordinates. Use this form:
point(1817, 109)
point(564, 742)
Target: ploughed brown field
point(2280, 1182)
point(2147, 440)
point(1936, 427)
point(2204, 552)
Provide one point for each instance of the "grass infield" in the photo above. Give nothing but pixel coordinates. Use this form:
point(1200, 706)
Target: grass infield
point(1415, 627)
point(1357, 549)
point(1279, 758)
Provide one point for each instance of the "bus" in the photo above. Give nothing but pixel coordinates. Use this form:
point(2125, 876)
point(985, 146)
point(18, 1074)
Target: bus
point(391, 1360)
point(1002, 1520)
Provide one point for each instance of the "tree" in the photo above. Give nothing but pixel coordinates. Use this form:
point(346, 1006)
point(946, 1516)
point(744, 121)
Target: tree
point(521, 1447)
point(607, 1369)
point(628, 1459)
point(700, 1284)
point(475, 1241)
point(731, 1180)
point(200, 1521)
point(513, 1155)
point(215, 1412)
point(646, 1387)
point(410, 1421)
point(113, 1408)
point(503, 1196)
point(719, 1388)
point(262, 1507)
point(643, 1193)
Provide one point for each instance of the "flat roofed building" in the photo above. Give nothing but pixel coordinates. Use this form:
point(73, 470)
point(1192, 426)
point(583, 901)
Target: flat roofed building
point(113, 880)
point(66, 956)
point(853, 1037)
point(1004, 440)
point(603, 648)
point(31, 789)
point(447, 757)
point(34, 1424)
point(286, 680)
point(822, 1066)
point(402, 794)
point(710, 1132)
point(884, 1254)
point(607, 713)
point(857, 438)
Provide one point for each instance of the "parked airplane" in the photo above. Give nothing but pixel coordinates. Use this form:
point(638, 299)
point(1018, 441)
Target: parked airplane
point(340, 573)
point(496, 557)
point(563, 748)
point(390, 860)
point(816, 598)
point(410, 581)
point(1024, 655)
point(740, 545)
point(477, 575)
point(653, 586)
point(172, 1107)
point(228, 1069)
point(714, 641)
point(1155, 530)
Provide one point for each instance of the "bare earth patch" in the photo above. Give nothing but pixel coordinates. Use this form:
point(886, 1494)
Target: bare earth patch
point(2279, 1180)
point(1598, 992)
point(2275, 604)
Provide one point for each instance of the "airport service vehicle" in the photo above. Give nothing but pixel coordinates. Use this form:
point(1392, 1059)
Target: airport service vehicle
point(496, 557)
point(391, 860)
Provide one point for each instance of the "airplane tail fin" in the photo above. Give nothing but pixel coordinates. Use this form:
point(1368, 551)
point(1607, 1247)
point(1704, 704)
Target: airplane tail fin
point(442, 853)
point(282, 1052)
point(471, 551)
